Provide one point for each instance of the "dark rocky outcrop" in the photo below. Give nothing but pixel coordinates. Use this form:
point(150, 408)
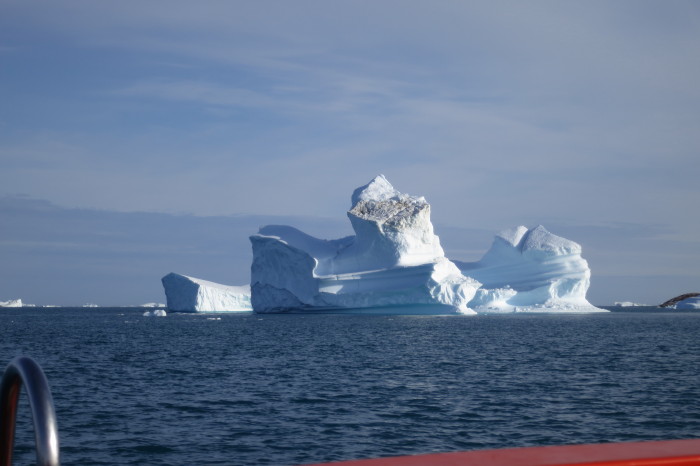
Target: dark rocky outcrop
point(678, 299)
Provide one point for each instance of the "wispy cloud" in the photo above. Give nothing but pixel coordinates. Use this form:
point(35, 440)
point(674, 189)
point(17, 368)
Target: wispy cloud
point(198, 92)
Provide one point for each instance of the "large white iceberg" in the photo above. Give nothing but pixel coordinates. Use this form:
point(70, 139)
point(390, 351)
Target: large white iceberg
point(531, 270)
point(188, 294)
point(394, 259)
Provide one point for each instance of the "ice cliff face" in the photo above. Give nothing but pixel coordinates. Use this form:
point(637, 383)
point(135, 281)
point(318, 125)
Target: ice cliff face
point(530, 270)
point(189, 294)
point(394, 259)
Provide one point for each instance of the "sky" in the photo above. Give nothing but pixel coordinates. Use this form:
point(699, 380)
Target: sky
point(130, 131)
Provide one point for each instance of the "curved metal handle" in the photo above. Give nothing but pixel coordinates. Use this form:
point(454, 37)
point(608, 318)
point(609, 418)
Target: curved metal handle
point(24, 370)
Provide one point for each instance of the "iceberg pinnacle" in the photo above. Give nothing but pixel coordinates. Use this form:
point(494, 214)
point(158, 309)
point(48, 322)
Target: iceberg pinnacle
point(379, 189)
point(394, 258)
point(391, 228)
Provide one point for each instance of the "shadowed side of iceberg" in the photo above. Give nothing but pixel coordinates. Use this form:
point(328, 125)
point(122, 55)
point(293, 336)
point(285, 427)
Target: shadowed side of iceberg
point(188, 294)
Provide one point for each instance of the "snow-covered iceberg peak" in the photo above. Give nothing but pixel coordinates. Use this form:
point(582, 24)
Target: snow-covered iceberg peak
point(394, 259)
point(391, 228)
point(377, 190)
point(531, 270)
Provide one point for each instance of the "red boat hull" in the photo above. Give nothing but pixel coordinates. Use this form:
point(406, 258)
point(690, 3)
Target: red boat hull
point(664, 453)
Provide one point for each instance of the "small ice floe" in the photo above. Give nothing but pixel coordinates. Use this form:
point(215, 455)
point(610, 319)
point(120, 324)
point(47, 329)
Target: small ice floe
point(156, 313)
point(213, 318)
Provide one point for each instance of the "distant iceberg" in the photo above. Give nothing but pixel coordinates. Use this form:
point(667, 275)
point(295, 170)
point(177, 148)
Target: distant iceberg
point(11, 303)
point(688, 303)
point(684, 301)
point(531, 270)
point(394, 259)
point(628, 304)
point(188, 294)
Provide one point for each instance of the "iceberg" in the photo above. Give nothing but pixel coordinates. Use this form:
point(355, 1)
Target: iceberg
point(628, 304)
point(11, 303)
point(394, 259)
point(188, 294)
point(687, 300)
point(530, 270)
point(688, 303)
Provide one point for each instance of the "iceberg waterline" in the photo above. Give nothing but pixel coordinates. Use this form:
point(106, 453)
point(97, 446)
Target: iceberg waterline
point(395, 259)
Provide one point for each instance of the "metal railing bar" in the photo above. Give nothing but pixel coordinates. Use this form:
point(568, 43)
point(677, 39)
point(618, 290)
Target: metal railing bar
point(24, 370)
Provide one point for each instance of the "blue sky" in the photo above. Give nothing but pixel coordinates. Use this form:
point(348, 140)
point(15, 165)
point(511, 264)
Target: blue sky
point(582, 116)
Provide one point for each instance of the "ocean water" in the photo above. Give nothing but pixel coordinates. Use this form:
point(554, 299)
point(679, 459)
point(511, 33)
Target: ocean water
point(293, 389)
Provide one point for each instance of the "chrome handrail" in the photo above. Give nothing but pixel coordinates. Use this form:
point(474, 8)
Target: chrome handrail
point(23, 370)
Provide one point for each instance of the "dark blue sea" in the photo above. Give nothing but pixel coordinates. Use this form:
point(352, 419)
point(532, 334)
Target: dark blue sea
point(293, 389)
